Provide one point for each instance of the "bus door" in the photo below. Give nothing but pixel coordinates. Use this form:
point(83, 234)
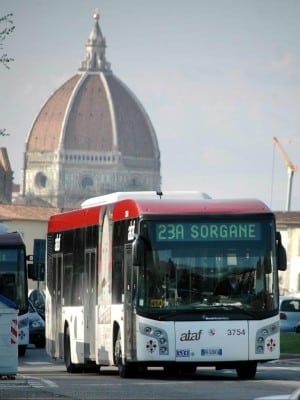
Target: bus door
point(130, 284)
point(89, 301)
point(57, 329)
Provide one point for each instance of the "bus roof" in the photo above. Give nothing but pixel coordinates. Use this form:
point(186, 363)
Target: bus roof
point(142, 203)
point(143, 195)
point(11, 239)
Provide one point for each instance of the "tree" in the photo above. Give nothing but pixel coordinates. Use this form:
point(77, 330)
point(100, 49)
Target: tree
point(9, 27)
point(4, 33)
point(3, 132)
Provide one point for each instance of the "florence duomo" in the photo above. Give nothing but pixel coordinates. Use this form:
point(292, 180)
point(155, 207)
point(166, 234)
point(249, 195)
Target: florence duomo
point(92, 136)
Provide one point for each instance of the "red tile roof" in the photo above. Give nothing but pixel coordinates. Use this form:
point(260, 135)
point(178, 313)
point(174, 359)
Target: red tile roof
point(284, 218)
point(16, 212)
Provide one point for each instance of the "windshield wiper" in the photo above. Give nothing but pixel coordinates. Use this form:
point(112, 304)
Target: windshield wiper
point(236, 308)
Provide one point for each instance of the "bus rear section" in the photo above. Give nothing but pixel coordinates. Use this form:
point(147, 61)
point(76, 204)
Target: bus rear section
point(143, 281)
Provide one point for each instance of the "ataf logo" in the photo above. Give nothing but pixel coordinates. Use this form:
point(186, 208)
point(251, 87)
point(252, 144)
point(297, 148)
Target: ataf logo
point(190, 336)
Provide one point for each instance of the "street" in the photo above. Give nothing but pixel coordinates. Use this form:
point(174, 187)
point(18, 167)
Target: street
point(40, 377)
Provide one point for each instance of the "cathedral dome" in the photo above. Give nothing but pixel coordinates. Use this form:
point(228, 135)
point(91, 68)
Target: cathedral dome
point(94, 112)
point(92, 126)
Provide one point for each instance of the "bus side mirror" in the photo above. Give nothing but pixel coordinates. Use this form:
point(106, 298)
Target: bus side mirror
point(138, 249)
point(281, 254)
point(31, 272)
point(36, 272)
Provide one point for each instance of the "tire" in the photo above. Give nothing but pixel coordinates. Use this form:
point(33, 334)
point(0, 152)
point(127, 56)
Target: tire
point(125, 370)
point(72, 368)
point(41, 344)
point(22, 350)
point(246, 370)
point(92, 368)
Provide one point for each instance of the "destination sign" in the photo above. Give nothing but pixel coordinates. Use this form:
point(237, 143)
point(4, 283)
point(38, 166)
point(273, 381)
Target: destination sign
point(203, 231)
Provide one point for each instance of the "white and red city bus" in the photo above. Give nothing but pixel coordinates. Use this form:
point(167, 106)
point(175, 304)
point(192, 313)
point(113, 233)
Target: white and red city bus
point(179, 281)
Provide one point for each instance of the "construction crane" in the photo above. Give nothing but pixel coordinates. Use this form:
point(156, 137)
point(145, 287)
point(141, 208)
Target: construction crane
point(290, 167)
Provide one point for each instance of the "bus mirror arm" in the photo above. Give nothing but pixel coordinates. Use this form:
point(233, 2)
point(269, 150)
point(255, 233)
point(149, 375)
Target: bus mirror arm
point(281, 254)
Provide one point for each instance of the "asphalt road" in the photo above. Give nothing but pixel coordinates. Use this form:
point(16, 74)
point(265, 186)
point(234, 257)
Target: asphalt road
point(42, 378)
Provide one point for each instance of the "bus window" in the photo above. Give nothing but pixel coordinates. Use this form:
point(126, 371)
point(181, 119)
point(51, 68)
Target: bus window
point(117, 275)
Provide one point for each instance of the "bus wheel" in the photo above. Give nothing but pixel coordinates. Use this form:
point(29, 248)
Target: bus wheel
point(124, 369)
point(22, 350)
point(67, 353)
point(246, 370)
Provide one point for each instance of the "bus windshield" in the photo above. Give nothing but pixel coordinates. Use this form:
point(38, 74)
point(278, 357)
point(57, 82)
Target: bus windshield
point(13, 276)
point(208, 265)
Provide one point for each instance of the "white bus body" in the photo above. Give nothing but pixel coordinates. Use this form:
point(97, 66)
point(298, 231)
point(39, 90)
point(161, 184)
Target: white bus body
point(136, 283)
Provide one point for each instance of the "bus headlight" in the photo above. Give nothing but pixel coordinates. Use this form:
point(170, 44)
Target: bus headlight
point(157, 333)
point(163, 350)
point(147, 330)
point(259, 349)
point(262, 334)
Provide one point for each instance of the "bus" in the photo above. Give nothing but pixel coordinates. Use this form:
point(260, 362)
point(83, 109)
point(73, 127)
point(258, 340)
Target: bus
point(14, 283)
point(134, 280)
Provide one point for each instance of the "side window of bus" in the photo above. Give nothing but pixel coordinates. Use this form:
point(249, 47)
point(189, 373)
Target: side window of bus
point(68, 273)
point(77, 285)
point(117, 275)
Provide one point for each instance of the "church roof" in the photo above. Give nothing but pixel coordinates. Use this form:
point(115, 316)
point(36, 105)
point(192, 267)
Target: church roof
point(94, 111)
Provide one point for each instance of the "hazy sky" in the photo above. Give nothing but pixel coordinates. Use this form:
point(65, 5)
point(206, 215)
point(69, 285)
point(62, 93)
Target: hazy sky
point(218, 78)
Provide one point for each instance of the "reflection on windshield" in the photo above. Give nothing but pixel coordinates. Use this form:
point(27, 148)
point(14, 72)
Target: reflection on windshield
point(181, 276)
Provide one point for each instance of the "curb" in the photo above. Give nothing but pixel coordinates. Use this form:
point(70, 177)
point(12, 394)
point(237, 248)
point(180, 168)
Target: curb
point(284, 356)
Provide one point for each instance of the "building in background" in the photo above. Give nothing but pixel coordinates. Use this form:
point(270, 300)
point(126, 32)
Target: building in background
point(30, 221)
point(288, 223)
point(91, 137)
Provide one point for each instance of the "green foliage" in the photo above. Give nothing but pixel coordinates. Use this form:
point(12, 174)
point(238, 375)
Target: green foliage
point(290, 343)
point(3, 132)
point(6, 28)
